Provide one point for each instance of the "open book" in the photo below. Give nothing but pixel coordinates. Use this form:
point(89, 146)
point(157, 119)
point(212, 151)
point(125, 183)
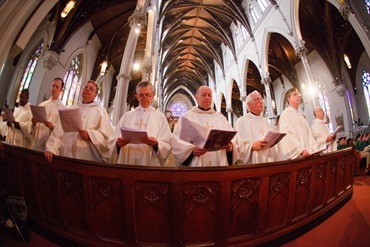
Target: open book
point(272, 138)
point(339, 128)
point(39, 113)
point(9, 114)
point(133, 135)
point(71, 119)
point(200, 136)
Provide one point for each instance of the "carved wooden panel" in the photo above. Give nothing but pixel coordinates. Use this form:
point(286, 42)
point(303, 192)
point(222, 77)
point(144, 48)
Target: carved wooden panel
point(107, 208)
point(244, 207)
point(340, 176)
point(200, 212)
point(72, 201)
point(278, 199)
point(320, 187)
point(332, 180)
point(26, 179)
point(153, 201)
point(46, 186)
point(302, 193)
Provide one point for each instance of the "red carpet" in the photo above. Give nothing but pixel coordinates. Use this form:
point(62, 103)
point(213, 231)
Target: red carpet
point(349, 226)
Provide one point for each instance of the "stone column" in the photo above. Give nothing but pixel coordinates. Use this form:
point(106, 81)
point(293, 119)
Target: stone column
point(137, 20)
point(301, 52)
point(266, 82)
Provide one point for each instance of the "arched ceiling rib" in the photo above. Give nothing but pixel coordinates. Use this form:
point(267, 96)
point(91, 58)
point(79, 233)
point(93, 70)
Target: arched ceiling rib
point(193, 31)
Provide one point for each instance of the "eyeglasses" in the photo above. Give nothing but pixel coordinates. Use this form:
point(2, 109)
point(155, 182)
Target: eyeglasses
point(258, 100)
point(142, 95)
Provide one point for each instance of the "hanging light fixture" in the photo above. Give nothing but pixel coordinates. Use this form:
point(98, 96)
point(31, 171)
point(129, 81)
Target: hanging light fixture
point(104, 65)
point(69, 6)
point(348, 63)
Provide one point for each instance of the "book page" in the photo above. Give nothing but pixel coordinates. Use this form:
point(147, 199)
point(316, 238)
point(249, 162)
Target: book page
point(193, 133)
point(272, 138)
point(339, 128)
point(133, 135)
point(39, 113)
point(9, 115)
point(320, 150)
point(71, 119)
point(217, 139)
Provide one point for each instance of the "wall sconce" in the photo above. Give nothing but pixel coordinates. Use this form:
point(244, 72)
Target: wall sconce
point(69, 6)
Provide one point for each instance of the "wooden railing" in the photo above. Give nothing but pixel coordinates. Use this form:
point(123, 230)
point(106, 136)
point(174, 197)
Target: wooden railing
point(96, 204)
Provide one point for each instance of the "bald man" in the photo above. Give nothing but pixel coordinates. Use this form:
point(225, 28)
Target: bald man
point(187, 154)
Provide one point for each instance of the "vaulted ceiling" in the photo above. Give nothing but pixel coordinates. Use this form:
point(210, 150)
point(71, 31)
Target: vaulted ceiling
point(192, 34)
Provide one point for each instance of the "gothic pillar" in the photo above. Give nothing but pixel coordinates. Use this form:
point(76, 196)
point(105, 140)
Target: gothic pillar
point(229, 111)
point(137, 20)
point(301, 52)
point(243, 98)
point(266, 82)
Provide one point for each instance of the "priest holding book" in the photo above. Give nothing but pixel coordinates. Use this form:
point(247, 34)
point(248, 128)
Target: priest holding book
point(154, 147)
point(187, 154)
point(42, 130)
point(89, 142)
point(252, 129)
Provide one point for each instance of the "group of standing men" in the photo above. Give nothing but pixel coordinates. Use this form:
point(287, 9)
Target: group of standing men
point(98, 140)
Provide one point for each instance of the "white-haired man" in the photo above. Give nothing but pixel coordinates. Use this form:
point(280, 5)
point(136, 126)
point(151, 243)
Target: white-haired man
point(252, 128)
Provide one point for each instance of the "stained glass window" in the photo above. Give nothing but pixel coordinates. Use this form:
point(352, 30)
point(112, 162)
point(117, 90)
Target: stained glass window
point(30, 69)
point(366, 86)
point(178, 108)
point(367, 3)
point(71, 79)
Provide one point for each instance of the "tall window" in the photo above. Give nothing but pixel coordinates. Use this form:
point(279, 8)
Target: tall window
point(71, 81)
point(366, 87)
point(367, 3)
point(262, 4)
point(253, 12)
point(324, 102)
point(350, 108)
point(30, 69)
point(178, 108)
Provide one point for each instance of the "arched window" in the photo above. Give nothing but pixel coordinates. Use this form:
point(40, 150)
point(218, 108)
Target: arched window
point(30, 69)
point(366, 87)
point(262, 4)
point(254, 14)
point(178, 109)
point(71, 79)
point(324, 102)
point(367, 3)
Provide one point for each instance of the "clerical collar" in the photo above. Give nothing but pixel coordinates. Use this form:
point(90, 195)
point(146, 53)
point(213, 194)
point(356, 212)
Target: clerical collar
point(203, 109)
point(253, 114)
point(87, 102)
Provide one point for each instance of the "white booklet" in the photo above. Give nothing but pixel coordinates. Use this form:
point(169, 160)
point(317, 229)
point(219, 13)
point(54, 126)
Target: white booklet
point(272, 138)
point(39, 113)
point(339, 128)
point(9, 115)
point(200, 136)
point(133, 135)
point(71, 119)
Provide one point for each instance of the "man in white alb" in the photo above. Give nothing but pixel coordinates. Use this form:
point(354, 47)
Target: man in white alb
point(155, 149)
point(90, 143)
point(321, 131)
point(252, 128)
point(42, 131)
point(299, 141)
point(19, 132)
point(187, 154)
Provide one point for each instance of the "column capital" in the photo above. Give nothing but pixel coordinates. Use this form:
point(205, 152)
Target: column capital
point(301, 51)
point(345, 10)
point(266, 81)
point(340, 89)
point(50, 59)
point(229, 109)
point(138, 18)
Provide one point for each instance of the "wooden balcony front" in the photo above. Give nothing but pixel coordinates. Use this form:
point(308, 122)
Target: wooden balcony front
point(98, 204)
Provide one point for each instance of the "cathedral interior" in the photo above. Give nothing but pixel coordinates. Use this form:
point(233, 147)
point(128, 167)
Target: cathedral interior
point(182, 45)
